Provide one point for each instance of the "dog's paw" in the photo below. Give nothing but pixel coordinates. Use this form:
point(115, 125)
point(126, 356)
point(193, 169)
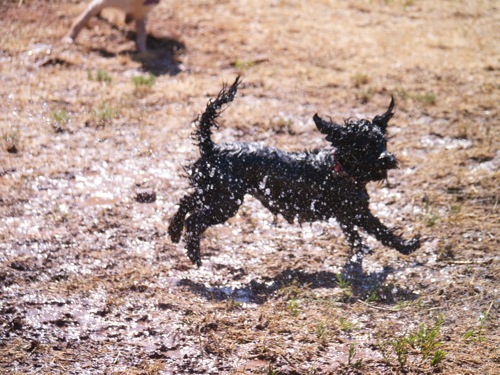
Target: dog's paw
point(145, 55)
point(194, 258)
point(175, 231)
point(365, 250)
point(175, 236)
point(68, 40)
point(408, 247)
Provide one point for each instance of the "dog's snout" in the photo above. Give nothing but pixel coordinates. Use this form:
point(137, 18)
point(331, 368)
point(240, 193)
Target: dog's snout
point(387, 160)
point(386, 155)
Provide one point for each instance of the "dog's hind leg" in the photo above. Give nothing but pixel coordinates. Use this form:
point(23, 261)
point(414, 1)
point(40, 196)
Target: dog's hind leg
point(140, 42)
point(201, 220)
point(187, 204)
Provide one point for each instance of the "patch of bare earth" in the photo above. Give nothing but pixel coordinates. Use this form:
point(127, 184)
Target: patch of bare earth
point(91, 166)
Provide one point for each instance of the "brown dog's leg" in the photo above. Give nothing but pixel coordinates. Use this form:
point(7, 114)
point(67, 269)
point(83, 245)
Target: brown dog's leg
point(92, 10)
point(140, 26)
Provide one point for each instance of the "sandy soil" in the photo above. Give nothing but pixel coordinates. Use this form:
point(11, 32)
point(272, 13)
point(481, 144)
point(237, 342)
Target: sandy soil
point(93, 140)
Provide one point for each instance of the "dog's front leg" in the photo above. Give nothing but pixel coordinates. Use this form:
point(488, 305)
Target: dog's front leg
point(352, 235)
point(92, 10)
point(373, 226)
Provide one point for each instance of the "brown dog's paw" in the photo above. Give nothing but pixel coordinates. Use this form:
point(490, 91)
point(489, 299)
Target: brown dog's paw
point(67, 40)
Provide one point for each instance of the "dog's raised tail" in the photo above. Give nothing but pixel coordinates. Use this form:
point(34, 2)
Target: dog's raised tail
point(207, 119)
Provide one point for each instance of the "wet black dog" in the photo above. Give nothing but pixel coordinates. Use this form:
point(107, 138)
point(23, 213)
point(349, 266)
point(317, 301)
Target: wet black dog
point(309, 186)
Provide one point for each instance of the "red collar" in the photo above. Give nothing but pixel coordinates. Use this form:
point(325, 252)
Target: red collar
point(337, 167)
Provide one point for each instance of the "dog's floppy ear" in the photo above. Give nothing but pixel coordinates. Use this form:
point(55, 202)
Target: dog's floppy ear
point(332, 131)
point(383, 120)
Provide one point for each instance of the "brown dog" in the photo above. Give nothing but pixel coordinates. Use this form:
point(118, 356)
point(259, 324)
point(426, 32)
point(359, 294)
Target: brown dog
point(135, 9)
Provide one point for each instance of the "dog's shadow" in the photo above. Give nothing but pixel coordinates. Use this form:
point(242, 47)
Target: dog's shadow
point(353, 280)
point(162, 58)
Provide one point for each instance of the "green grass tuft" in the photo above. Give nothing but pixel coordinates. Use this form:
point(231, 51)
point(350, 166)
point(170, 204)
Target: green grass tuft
point(144, 83)
point(100, 76)
point(60, 120)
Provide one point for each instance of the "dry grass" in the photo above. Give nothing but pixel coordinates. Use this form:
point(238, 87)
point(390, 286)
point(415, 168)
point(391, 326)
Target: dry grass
point(91, 284)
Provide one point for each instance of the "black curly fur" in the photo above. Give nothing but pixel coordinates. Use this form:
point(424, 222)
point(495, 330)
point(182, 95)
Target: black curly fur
point(208, 119)
point(308, 186)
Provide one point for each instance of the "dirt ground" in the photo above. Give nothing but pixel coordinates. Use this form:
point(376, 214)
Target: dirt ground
point(93, 143)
